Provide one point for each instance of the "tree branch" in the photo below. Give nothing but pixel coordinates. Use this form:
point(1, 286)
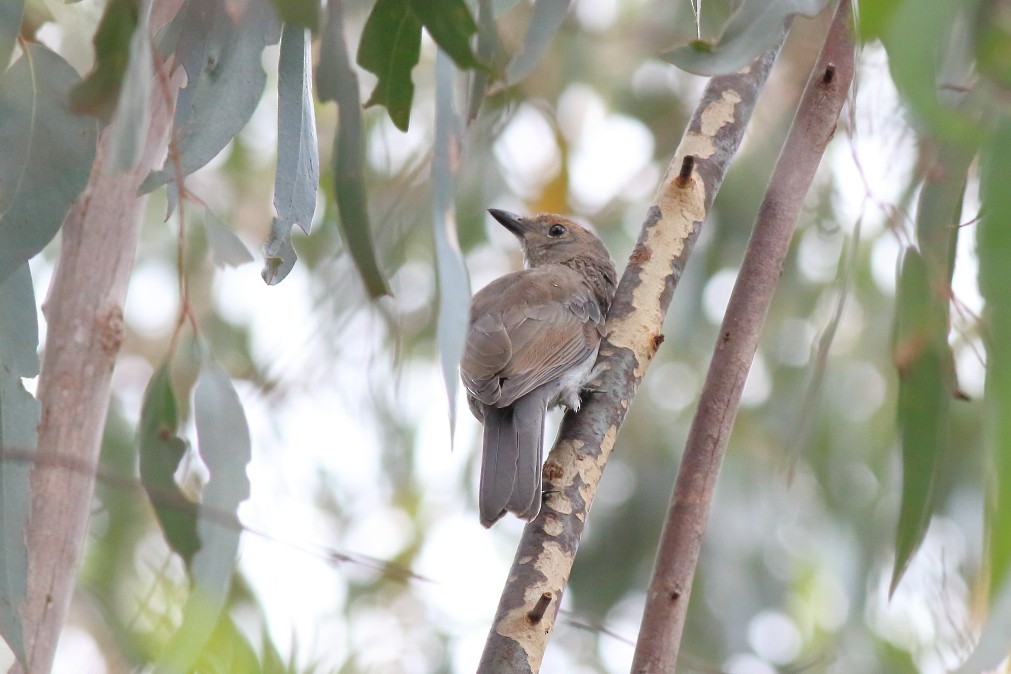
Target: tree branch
point(84, 311)
point(532, 594)
point(813, 126)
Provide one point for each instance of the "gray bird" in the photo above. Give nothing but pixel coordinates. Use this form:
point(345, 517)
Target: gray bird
point(531, 345)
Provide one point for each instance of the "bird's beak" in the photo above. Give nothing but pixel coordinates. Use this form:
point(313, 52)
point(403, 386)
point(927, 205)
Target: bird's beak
point(510, 221)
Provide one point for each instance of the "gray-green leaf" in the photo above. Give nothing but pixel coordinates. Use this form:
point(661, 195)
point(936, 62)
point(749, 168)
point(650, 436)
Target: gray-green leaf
point(547, 18)
point(221, 56)
point(753, 29)
point(224, 441)
point(297, 152)
point(47, 153)
point(454, 285)
point(19, 417)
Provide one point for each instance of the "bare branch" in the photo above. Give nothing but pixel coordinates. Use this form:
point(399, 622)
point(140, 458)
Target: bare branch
point(813, 126)
point(547, 548)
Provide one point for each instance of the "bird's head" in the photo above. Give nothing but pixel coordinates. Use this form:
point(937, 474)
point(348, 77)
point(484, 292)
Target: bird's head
point(551, 239)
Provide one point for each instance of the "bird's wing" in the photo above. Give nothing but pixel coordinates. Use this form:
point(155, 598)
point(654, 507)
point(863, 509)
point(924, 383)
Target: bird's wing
point(526, 329)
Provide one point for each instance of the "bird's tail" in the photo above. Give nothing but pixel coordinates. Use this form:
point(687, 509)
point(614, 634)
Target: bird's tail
point(511, 465)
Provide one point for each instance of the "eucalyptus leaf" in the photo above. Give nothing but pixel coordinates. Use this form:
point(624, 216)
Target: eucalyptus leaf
point(161, 450)
point(19, 417)
point(225, 446)
point(279, 254)
point(227, 249)
point(921, 356)
point(993, 247)
point(129, 126)
point(547, 18)
point(753, 29)
point(47, 154)
point(11, 12)
point(489, 50)
point(451, 26)
point(390, 48)
point(225, 79)
point(338, 82)
point(98, 94)
point(454, 284)
point(297, 152)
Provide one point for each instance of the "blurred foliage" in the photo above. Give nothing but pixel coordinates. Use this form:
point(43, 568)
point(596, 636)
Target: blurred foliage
point(361, 550)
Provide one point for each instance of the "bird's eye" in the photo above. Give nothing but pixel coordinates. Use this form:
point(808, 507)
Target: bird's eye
point(556, 230)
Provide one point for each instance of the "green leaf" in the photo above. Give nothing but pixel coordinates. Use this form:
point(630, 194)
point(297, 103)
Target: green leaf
point(225, 446)
point(47, 154)
point(222, 59)
point(297, 153)
point(228, 651)
point(917, 58)
point(547, 18)
point(11, 12)
point(303, 13)
point(454, 284)
point(920, 351)
point(129, 126)
point(390, 48)
point(19, 417)
point(98, 94)
point(338, 83)
point(752, 30)
point(161, 450)
point(994, 250)
point(450, 24)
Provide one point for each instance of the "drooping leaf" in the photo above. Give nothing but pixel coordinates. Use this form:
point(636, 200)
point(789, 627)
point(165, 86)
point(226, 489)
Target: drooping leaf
point(304, 13)
point(450, 24)
point(221, 56)
point(46, 157)
point(389, 49)
point(224, 441)
point(489, 50)
point(752, 30)
point(161, 450)
point(337, 82)
point(279, 254)
point(297, 152)
point(227, 249)
point(920, 351)
point(19, 417)
point(917, 58)
point(454, 285)
point(129, 126)
point(994, 250)
point(10, 23)
point(98, 94)
point(547, 18)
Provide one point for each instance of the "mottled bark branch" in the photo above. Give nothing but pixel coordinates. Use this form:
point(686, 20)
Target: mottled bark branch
point(670, 588)
point(84, 312)
point(540, 571)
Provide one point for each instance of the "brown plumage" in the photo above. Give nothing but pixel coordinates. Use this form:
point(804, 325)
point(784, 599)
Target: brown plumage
point(532, 342)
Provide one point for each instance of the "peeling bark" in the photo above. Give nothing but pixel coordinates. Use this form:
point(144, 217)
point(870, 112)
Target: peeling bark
point(572, 472)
